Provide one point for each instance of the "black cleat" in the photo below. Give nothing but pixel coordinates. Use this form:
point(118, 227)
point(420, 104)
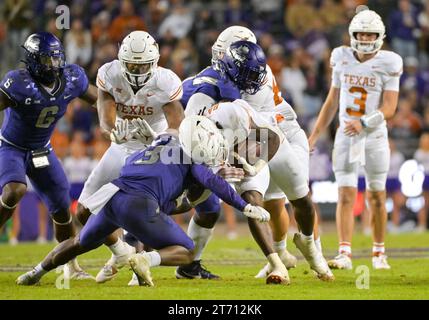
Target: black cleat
point(195, 270)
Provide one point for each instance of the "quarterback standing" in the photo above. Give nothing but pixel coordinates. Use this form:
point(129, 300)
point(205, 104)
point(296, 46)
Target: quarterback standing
point(365, 87)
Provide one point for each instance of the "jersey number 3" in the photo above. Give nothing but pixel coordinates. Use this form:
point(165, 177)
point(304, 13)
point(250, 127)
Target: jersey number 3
point(46, 117)
point(360, 102)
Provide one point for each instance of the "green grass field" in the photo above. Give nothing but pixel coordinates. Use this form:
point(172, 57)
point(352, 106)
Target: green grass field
point(237, 261)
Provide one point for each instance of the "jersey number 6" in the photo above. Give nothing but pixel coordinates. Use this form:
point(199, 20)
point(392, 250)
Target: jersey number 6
point(358, 101)
point(46, 117)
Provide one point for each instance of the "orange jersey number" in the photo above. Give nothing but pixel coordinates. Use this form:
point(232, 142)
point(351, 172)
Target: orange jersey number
point(361, 102)
point(277, 94)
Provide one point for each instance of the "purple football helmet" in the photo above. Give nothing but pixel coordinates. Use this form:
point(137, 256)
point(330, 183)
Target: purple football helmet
point(44, 56)
point(244, 63)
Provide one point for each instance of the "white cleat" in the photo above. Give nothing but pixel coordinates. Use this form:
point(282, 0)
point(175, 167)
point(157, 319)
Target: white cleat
point(288, 259)
point(134, 282)
point(380, 262)
point(278, 276)
point(112, 266)
point(342, 261)
point(28, 279)
point(313, 256)
point(141, 267)
point(73, 271)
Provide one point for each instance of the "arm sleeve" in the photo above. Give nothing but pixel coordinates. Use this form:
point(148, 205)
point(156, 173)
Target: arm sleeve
point(218, 186)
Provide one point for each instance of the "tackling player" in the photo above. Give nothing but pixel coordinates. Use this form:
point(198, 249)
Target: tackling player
point(135, 200)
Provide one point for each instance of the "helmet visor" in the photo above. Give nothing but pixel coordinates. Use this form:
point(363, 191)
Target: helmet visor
point(52, 62)
point(138, 69)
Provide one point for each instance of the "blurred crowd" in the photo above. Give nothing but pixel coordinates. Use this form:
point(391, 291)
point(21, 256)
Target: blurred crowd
point(296, 35)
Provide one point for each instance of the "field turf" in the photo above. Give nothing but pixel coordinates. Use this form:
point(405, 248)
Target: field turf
point(236, 261)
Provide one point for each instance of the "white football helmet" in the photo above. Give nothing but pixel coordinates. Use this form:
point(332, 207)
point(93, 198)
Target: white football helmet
point(202, 141)
point(370, 22)
point(227, 37)
point(139, 56)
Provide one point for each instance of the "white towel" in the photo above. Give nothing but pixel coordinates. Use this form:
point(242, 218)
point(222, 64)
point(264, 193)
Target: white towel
point(357, 149)
point(98, 200)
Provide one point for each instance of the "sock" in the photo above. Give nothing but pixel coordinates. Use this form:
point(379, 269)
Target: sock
point(118, 248)
point(307, 238)
point(154, 257)
point(39, 270)
point(274, 260)
point(280, 245)
point(318, 244)
point(200, 236)
point(377, 249)
point(346, 248)
point(74, 265)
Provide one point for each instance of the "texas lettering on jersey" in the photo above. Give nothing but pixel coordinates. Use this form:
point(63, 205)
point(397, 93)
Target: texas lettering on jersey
point(362, 83)
point(163, 87)
point(131, 112)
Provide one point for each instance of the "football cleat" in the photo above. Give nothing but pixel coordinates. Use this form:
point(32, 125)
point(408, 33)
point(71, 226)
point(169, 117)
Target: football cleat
point(195, 270)
point(134, 282)
point(112, 266)
point(29, 278)
point(313, 256)
point(278, 276)
point(288, 259)
point(141, 266)
point(73, 271)
point(342, 261)
point(380, 262)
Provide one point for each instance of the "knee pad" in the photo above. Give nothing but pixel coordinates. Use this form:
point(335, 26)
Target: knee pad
point(346, 179)
point(376, 181)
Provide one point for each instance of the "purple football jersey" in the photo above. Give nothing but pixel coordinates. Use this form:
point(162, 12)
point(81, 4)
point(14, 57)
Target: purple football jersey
point(29, 123)
point(163, 172)
point(211, 83)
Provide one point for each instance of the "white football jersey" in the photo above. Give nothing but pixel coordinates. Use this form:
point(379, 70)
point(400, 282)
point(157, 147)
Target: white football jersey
point(164, 87)
point(362, 83)
point(238, 117)
point(269, 98)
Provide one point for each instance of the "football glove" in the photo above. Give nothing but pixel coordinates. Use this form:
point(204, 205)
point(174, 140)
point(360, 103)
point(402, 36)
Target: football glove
point(257, 213)
point(121, 133)
point(248, 168)
point(142, 130)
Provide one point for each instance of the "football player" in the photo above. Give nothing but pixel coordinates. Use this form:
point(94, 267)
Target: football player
point(239, 119)
point(200, 92)
point(365, 87)
point(134, 201)
point(268, 99)
point(34, 99)
point(130, 89)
